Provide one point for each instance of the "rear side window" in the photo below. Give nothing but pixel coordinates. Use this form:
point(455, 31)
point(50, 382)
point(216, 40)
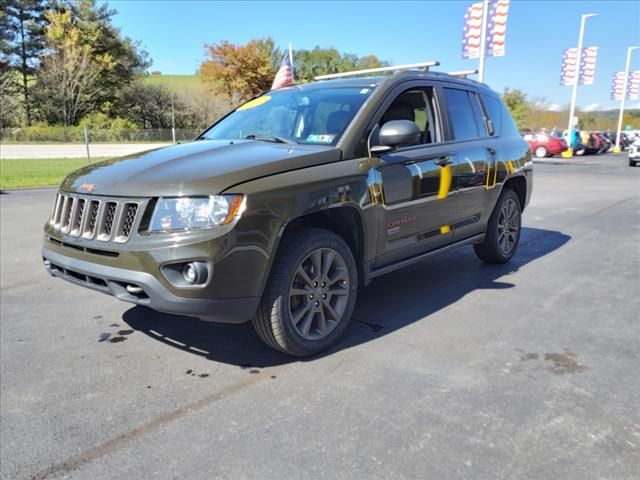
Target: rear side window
point(494, 110)
point(509, 128)
point(477, 113)
point(461, 114)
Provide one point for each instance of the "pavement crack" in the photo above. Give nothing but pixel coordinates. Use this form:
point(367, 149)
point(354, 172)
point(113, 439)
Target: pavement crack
point(74, 462)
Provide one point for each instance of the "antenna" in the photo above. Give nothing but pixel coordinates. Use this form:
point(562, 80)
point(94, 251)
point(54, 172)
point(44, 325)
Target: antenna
point(356, 73)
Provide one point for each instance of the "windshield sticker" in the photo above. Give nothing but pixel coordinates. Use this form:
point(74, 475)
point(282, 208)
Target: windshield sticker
point(313, 138)
point(256, 102)
point(364, 90)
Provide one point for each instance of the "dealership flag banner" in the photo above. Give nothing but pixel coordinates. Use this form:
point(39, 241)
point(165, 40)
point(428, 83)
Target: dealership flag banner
point(569, 70)
point(495, 32)
point(284, 76)
point(588, 65)
point(633, 86)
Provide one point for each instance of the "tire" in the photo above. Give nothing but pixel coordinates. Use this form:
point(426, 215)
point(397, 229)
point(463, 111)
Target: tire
point(293, 271)
point(541, 152)
point(632, 163)
point(495, 248)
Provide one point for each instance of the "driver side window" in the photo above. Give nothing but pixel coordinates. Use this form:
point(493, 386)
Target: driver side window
point(417, 105)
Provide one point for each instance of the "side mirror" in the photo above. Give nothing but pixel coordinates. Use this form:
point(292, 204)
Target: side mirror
point(396, 133)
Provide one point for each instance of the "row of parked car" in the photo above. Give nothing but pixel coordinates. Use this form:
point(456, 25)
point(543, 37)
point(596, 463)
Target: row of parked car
point(554, 142)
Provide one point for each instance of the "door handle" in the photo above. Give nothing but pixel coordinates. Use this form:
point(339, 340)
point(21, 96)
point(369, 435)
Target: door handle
point(491, 150)
point(443, 161)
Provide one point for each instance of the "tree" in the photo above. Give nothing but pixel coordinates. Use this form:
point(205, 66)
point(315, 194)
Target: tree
point(245, 70)
point(68, 79)
point(122, 60)
point(23, 23)
point(87, 62)
point(323, 61)
point(516, 102)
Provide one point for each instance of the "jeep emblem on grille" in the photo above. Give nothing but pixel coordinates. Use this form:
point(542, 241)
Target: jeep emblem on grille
point(88, 187)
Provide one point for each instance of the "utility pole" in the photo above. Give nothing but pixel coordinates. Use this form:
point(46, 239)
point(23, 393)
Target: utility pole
point(574, 94)
point(483, 39)
point(173, 118)
point(624, 96)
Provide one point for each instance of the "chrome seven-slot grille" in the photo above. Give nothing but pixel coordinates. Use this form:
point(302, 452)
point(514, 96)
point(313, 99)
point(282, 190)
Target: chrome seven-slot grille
point(92, 217)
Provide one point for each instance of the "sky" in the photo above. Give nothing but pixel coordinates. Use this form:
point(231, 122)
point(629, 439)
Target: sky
point(174, 33)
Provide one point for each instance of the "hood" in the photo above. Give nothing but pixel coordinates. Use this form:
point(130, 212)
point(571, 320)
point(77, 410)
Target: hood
point(202, 167)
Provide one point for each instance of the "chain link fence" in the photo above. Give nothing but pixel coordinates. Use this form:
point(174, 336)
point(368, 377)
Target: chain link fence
point(76, 135)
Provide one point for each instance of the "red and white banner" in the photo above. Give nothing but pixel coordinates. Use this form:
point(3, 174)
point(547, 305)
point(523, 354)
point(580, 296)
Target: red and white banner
point(569, 70)
point(495, 32)
point(588, 65)
point(633, 86)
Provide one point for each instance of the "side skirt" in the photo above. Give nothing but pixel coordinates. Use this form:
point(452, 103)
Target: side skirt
point(418, 258)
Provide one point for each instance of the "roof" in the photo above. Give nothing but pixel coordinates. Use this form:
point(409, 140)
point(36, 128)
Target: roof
point(391, 79)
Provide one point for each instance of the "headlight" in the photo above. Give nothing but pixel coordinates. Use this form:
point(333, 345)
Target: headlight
point(189, 213)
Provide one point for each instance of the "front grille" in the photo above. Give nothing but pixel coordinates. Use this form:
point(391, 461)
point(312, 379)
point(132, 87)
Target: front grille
point(92, 217)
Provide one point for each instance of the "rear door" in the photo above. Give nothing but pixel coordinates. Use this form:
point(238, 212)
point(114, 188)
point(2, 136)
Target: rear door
point(418, 194)
point(475, 158)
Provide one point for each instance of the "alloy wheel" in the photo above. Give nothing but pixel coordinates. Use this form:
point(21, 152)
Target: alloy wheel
point(319, 293)
point(508, 226)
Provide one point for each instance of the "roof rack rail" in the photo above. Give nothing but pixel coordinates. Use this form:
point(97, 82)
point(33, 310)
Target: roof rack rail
point(409, 66)
point(462, 73)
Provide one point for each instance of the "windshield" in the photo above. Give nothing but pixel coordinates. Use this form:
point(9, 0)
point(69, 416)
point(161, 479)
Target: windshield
point(315, 116)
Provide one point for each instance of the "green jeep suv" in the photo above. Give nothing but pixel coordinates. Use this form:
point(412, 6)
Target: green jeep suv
point(279, 211)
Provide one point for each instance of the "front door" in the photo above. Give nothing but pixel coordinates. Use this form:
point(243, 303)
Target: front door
point(418, 193)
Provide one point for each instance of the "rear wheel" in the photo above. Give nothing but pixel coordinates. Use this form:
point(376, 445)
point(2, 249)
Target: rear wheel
point(311, 293)
point(541, 152)
point(503, 230)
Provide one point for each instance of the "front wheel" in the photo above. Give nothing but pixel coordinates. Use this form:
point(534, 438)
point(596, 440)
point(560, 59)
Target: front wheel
point(503, 230)
point(311, 293)
point(541, 152)
point(632, 163)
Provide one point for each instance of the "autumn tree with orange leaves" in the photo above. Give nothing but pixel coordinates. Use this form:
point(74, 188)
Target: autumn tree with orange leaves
point(240, 70)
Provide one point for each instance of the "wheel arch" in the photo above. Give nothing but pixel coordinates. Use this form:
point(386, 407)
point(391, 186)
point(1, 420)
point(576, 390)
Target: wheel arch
point(519, 185)
point(345, 221)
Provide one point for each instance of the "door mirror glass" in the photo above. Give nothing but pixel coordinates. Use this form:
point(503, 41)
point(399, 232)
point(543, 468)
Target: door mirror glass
point(395, 133)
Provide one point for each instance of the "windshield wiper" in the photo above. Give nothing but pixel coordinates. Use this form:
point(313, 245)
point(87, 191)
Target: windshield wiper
point(272, 139)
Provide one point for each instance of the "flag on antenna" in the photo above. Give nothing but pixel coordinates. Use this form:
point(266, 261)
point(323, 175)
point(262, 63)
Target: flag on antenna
point(284, 76)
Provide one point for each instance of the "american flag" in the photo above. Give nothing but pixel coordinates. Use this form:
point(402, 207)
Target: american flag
point(569, 69)
point(284, 76)
point(495, 31)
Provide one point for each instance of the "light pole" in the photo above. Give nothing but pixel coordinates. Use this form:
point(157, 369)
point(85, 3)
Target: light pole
point(624, 96)
point(574, 94)
point(483, 39)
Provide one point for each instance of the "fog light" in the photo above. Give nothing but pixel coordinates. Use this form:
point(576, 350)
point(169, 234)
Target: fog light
point(194, 272)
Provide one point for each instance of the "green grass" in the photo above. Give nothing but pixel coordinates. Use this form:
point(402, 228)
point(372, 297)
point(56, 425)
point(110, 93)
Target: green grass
point(32, 172)
point(178, 81)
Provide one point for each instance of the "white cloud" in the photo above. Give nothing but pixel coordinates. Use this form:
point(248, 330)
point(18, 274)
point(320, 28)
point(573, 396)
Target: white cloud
point(554, 107)
point(591, 107)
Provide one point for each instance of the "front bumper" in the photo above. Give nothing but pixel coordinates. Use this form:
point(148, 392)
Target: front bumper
point(142, 288)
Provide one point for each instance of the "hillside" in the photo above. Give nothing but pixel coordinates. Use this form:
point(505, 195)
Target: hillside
point(174, 80)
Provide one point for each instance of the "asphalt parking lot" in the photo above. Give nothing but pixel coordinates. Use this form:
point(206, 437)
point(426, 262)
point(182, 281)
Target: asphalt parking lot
point(451, 369)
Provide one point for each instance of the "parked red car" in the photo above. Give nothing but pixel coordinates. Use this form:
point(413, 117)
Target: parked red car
point(543, 145)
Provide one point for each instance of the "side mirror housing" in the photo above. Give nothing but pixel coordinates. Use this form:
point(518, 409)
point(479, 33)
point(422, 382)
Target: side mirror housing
point(396, 133)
